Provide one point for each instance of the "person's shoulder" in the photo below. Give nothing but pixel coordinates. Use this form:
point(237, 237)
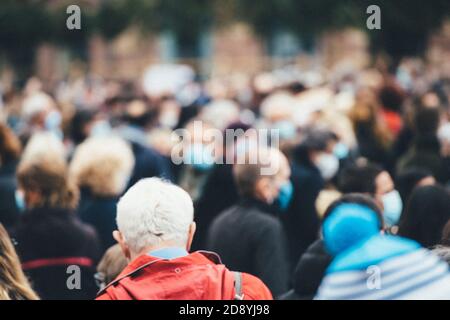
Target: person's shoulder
point(254, 289)
point(264, 219)
point(225, 215)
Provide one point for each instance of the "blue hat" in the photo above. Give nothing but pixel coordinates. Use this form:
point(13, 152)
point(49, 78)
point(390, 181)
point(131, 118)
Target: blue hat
point(348, 225)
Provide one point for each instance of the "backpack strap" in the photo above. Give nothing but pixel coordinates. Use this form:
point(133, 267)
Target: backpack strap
point(238, 286)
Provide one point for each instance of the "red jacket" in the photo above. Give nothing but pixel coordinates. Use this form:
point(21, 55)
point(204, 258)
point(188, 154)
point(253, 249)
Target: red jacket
point(198, 276)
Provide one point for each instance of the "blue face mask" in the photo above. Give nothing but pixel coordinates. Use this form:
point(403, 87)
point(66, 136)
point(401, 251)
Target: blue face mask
point(100, 129)
point(285, 195)
point(20, 201)
point(287, 129)
point(200, 157)
point(341, 151)
point(53, 121)
point(393, 207)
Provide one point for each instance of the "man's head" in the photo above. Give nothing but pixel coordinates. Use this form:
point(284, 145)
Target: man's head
point(349, 220)
point(264, 177)
point(372, 180)
point(154, 214)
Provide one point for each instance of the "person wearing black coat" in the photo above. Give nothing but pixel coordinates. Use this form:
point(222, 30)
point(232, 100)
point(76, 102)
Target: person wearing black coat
point(313, 264)
point(99, 212)
point(219, 193)
point(309, 273)
point(301, 220)
point(48, 242)
point(9, 212)
point(58, 252)
point(10, 150)
point(249, 237)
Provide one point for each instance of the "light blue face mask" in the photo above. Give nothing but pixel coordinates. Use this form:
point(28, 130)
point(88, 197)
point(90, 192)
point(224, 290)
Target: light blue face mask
point(199, 157)
point(285, 196)
point(100, 129)
point(53, 121)
point(393, 207)
point(20, 201)
point(341, 151)
point(286, 129)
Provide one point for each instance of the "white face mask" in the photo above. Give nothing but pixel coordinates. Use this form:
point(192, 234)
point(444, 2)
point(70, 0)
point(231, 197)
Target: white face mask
point(169, 119)
point(393, 207)
point(100, 129)
point(328, 165)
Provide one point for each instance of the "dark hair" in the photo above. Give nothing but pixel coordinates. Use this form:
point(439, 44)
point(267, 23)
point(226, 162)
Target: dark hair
point(140, 113)
point(356, 198)
point(426, 214)
point(313, 140)
point(391, 97)
point(407, 180)
point(359, 178)
point(426, 120)
point(79, 121)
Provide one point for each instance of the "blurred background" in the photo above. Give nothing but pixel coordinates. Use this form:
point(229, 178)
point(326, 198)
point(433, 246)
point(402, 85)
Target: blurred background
point(85, 114)
point(119, 38)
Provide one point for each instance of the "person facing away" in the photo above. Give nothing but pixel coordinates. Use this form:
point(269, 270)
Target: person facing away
point(156, 229)
point(427, 212)
point(314, 164)
point(14, 284)
point(315, 261)
point(249, 236)
point(369, 265)
point(101, 167)
point(49, 236)
point(10, 149)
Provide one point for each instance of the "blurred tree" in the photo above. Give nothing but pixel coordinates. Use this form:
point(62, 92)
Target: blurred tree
point(406, 24)
point(27, 23)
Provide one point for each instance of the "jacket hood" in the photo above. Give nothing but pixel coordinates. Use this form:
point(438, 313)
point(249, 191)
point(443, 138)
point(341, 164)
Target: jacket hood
point(198, 276)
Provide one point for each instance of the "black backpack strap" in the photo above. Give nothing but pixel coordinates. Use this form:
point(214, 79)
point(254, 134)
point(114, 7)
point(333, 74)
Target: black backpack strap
point(238, 286)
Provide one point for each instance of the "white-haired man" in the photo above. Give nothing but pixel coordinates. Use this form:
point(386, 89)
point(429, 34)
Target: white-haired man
point(156, 227)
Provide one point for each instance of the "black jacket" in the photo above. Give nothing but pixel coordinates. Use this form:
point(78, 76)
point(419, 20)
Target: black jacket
point(301, 220)
point(9, 212)
point(309, 273)
point(250, 239)
point(149, 164)
point(100, 213)
point(45, 236)
point(219, 193)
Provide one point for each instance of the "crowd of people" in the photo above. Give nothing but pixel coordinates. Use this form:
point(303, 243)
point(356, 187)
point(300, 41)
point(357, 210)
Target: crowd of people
point(357, 208)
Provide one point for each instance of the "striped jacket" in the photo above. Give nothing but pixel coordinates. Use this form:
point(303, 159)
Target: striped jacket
point(386, 268)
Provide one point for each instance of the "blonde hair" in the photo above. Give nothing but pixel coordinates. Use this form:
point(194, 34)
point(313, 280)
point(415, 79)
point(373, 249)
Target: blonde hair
point(13, 283)
point(102, 164)
point(44, 145)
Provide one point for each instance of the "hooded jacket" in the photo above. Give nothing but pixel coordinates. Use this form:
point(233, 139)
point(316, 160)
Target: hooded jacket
point(198, 276)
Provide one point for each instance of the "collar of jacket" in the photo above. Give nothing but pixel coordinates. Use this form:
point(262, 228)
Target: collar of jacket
point(145, 261)
point(249, 202)
point(47, 211)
